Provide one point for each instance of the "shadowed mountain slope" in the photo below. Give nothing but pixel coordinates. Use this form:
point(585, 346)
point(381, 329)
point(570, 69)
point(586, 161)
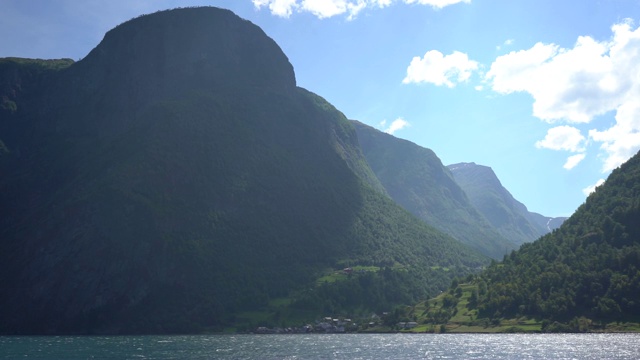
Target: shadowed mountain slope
point(177, 176)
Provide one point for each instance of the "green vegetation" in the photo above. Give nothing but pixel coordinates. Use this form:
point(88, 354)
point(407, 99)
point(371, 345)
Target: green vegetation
point(583, 276)
point(21, 80)
point(37, 65)
point(415, 178)
point(344, 274)
point(454, 311)
point(8, 105)
point(174, 182)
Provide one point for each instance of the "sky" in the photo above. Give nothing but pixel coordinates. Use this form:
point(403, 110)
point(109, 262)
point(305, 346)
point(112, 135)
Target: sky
point(545, 92)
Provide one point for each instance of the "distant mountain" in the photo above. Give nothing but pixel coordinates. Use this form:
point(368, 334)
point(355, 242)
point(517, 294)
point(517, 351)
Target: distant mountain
point(177, 176)
point(509, 216)
point(583, 274)
point(415, 178)
point(547, 223)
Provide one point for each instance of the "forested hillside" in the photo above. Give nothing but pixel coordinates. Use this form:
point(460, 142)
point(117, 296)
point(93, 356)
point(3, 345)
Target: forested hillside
point(586, 271)
point(415, 178)
point(177, 176)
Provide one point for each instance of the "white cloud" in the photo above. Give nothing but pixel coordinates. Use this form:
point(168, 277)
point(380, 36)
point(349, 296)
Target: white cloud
point(355, 8)
point(438, 4)
point(573, 161)
point(324, 8)
point(437, 69)
point(329, 8)
point(618, 143)
point(622, 140)
point(397, 124)
point(577, 84)
point(282, 8)
point(591, 188)
point(563, 138)
point(573, 85)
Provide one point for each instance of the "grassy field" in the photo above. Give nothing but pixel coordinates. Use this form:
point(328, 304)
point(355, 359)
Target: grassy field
point(449, 312)
point(332, 275)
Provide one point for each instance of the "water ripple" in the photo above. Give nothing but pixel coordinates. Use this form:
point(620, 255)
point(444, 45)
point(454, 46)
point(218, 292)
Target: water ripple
point(330, 346)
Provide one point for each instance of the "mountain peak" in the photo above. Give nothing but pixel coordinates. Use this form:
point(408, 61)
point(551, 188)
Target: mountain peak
point(461, 165)
point(416, 179)
point(475, 171)
point(508, 215)
point(176, 176)
point(207, 46)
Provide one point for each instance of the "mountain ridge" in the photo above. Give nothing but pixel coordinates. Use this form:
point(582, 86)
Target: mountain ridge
point(415, 178)
point(509, 216)
point(167, 194)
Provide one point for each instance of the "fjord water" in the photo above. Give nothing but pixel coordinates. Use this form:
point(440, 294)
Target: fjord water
point(330, 346)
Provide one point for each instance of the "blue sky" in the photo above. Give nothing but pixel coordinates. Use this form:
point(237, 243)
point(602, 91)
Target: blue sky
point(547, 93)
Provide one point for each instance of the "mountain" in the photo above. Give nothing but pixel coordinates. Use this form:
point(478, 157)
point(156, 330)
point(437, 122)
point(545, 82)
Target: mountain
point(583, 274)
point(177, 176)
point(547, 223)
point(415, 178)
point(509, 216)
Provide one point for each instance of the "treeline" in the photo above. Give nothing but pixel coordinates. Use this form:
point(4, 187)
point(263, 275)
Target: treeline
point(589, 268)
point(375, 292)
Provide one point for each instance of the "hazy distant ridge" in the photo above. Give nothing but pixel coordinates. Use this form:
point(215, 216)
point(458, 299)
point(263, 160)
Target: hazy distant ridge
point(509, 216)
point(415, 178)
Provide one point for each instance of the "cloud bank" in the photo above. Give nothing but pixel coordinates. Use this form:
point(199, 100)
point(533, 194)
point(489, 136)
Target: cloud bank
point(329, 8)
point(578, 84)
point(438, 69)
point(568, 85)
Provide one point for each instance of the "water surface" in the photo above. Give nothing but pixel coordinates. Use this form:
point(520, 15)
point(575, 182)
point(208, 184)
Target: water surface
point(330, 346)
